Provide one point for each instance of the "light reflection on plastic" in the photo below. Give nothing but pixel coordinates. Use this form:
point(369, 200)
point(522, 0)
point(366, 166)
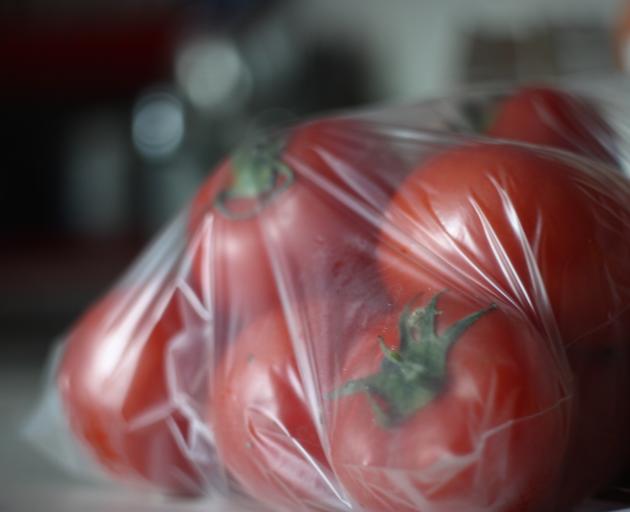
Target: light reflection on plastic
point(158, 125)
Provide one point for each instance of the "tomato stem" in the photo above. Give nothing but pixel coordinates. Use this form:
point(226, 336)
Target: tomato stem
point(258, 174)
point(414, 374)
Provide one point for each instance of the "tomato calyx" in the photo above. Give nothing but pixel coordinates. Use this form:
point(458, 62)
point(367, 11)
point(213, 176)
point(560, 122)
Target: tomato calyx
point(414, 374)
point(258, 177)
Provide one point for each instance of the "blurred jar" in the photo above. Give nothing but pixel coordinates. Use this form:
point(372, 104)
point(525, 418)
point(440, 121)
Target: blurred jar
point(168, 171)
point(96, 175)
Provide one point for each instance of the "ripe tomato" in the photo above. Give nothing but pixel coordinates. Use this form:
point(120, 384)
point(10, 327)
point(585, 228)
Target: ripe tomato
point(598, 445)
point(550, 117)
point(132, 369)
point(530, 229)
point(272, 210)
point(264, 431)
point(458, 407)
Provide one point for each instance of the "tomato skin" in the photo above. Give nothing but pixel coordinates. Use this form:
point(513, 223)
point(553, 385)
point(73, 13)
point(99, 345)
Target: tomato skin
point(598, 445)
point(477, 445)
point(309, 218)
point(262, 422)
point(527, 228)
point(550, 117)
point(231, 271)
point(113, 385)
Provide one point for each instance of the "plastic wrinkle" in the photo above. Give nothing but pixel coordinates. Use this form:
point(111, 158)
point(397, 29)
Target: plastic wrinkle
point(450, 463)
point(264, 442)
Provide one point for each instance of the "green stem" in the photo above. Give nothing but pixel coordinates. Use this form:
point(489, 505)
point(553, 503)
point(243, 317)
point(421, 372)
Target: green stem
point(257, 174)
point(412, 376)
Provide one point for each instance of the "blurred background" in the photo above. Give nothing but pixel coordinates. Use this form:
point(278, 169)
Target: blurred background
point(112, 112)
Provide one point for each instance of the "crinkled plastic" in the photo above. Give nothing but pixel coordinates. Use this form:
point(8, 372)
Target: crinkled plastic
point(419, 308)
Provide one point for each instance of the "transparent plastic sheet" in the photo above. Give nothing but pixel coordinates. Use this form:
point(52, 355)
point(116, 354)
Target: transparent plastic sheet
point(412, 308)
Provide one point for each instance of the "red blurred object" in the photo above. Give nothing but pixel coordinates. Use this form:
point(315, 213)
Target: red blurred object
point(103, 389)
point(550, 117)
point(84, 57)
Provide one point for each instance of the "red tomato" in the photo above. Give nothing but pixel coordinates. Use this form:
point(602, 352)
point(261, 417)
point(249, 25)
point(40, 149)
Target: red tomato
point(449, 405)
point(529, 229)
point(549, 117)
point(261, 221)
point(264, 431)
point(128, 366)
point(599, 445)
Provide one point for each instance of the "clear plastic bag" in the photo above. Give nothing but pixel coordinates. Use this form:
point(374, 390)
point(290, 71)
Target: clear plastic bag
point(415, 308)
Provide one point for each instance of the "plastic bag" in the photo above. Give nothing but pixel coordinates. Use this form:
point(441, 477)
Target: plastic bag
point(389, 310)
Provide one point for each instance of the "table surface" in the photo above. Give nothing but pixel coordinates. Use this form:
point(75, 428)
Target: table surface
point(31, 483)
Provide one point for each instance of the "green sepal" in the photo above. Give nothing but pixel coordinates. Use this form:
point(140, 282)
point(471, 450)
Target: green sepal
point(259, 174)
point(414, 374)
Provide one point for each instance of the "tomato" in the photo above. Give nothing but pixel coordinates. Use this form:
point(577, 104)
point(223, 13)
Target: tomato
point(228, 252)
point(550, 117)
point(545, 235)
point(264, 431)
point(277, 207)
point(599, 445)
point(449, 404)
point(132, 369)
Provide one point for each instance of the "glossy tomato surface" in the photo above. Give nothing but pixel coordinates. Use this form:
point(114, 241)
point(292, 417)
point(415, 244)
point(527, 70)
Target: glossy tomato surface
point(132, 367)
point(551, 117)
point(542, 234)
point(468, 416)
point(264, 429)
point(296, 213)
